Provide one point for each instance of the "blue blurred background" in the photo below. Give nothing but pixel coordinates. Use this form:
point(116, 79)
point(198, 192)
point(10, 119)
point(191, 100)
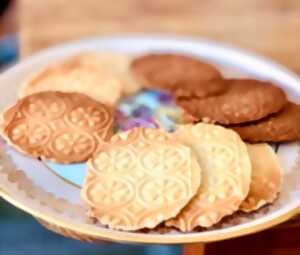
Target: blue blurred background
point(20, 234)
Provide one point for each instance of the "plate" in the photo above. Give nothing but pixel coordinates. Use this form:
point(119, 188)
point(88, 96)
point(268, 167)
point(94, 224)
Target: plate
point(51, 194)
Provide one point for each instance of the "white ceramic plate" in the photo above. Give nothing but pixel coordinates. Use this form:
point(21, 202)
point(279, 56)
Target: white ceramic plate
point(55, 201)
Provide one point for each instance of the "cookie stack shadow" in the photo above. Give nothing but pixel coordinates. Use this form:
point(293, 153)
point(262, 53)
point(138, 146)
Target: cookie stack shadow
point(217, 164)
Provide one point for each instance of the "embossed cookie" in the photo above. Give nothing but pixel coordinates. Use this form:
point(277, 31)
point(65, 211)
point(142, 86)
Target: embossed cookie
point(279, 127)
point(162, 71)
point(244, 100)
point(198, 89)
point(266, 177)
point(76, 75)
point(141, 178)
point(226, 175)
point(58, 126)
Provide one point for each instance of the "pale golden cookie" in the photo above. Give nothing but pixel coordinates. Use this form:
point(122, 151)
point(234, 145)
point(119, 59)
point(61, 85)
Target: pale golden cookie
point(266, 177)
point(226, 175)
point(140, 179)
point(116, 64)
point(74, 75)
point(58, 126)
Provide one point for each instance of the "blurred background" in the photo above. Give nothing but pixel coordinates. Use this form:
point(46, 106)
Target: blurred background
point(8, 28)
point(270, 28)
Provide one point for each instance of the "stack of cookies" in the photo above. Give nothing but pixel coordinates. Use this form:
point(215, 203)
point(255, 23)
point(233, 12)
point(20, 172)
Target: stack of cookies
point(190, 178)
point(144, 177)
point(258, 110)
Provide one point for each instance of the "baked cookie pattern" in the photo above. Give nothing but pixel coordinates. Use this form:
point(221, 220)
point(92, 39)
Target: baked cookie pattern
point(226, 175)
point(141, 178)
point(57, 126)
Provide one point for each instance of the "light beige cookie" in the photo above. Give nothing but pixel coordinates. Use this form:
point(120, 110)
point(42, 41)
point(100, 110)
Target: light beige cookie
point(140, 179)
point(266, 177)
point(226, 175)
point(58, 126)
point(115, 63)
point(75, 75)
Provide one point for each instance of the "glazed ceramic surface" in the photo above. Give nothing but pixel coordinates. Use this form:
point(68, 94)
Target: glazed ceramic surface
point(51, 192)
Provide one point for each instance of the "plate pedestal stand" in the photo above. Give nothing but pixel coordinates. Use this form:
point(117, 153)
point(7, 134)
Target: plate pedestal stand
point(193, 249)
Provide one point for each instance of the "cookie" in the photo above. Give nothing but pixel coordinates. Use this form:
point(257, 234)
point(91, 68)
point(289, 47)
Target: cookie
point(162, 71)
point(244, 100)
point(280, 127)
point(141, 178)
point(117, 64)
point(57, 126)
point(75, 75)
point(226, 175)
point(266, 177)
point(198, 89)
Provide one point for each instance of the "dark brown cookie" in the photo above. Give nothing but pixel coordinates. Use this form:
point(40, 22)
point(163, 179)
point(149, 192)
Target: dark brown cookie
point(244, 100)
point(162, 71)
point(279, 127)
point(198, 89)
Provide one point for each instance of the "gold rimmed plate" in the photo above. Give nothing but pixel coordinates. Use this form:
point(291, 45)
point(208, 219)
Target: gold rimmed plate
point(53, 196)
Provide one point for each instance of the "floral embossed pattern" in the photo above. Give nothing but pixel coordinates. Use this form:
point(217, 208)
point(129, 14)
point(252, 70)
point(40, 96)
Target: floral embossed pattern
point(62, 127)
point(140, 179)
point(226, 175)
